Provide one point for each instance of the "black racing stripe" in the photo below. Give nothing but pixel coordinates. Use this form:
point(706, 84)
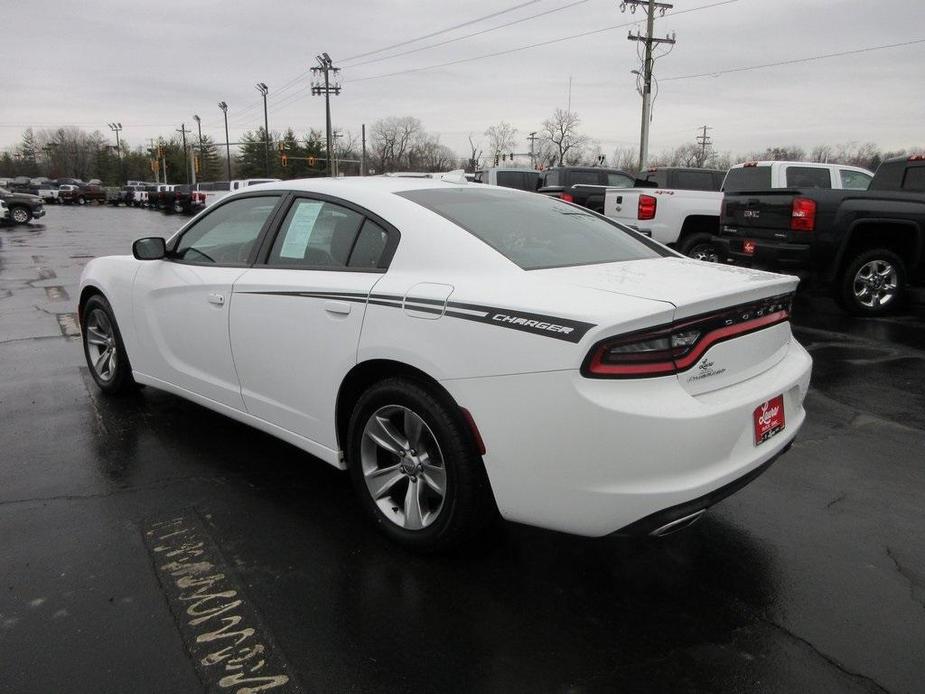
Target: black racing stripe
point(533, 323)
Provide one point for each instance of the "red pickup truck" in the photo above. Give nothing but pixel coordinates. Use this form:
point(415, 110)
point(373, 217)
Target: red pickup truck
point(81, 194)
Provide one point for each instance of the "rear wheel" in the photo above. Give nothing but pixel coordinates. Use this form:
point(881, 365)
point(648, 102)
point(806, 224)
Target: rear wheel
point(81, 200)
point(873, 283)
point(701, 247)
point(415, 468)
point(103, 347)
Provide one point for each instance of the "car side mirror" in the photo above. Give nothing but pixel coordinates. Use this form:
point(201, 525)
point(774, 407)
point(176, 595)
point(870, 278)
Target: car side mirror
point(151, 248)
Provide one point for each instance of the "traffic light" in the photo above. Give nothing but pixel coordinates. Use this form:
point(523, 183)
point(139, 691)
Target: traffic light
point(311, 160)
point(284, 160)
point(282, 147)
point(196, 163)
point(512, 156)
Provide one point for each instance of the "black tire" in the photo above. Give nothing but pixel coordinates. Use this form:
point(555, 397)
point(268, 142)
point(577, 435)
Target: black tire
point(467, 506)
point(81, 200)
point(701, 247)
point(852, 281)
point(20, 214)
point(120, 380)
point(178, 208)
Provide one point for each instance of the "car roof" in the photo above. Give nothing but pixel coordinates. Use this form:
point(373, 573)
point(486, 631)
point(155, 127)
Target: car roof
point(355, 184)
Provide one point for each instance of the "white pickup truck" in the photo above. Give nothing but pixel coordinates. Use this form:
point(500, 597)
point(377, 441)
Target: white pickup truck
point(687, 218)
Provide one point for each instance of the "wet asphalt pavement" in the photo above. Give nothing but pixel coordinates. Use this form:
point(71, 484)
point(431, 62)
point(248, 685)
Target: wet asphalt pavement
point(811, 579)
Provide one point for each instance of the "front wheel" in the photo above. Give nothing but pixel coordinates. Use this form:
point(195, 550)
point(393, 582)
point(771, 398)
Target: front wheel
point(415, 468)
point(20, 215)
point(103, 347)
point(81, 201)
point(872, 283)
point(701, 247)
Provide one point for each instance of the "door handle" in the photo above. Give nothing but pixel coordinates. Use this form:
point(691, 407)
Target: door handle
point(341, 307)
point(217, 299)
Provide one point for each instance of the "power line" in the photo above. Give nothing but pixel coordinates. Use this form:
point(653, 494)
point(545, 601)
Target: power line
point(469, 36)
point(717, 73)
point(442, 31)
point(532, 45)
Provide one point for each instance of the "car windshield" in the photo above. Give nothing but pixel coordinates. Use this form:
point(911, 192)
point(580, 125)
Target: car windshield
point(535, 231)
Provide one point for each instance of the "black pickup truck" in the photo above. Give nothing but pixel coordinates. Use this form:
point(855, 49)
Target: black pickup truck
point(868, 245)
point(582, 185)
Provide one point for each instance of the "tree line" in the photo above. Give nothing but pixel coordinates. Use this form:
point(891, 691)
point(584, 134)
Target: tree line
point(395, 143)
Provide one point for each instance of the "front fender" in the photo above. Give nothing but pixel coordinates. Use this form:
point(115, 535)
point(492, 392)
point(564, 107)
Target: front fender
point(113, 277)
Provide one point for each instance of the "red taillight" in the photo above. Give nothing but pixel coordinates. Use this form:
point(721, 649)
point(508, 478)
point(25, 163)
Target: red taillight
point(674, 348)
point(647, 206)
point(917, 157)
point(803, 215)
point(567, 197)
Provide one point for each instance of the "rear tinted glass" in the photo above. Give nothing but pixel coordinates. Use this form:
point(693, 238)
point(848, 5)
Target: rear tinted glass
point(808, 177)
point(748, 178)
point(534, 231)
point(914, 179)
point(693, 180)
point(587, 178)
point(854, 180)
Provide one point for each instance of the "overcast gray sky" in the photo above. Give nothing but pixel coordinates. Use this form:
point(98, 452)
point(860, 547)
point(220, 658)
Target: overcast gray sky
point(152, 65)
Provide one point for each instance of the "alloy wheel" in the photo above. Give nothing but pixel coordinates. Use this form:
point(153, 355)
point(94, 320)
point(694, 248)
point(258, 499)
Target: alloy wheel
point(20, 215)
point(705, 252)
point(403, 467)
point(101, 344)
point(875, 283)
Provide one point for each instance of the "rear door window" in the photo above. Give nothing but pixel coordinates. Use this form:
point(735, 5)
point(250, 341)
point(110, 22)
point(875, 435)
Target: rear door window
point(748, 178)
point(510, 179)
point(617, 180)
point(315, 234)
point(808, 177)
point(585, 178)
point(854, 180)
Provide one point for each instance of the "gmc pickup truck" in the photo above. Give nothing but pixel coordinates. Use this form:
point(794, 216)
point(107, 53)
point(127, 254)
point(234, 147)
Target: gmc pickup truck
point(683, 210)
point(867, 245)
point(81, 194)
point(22, 206)
point(582, 185)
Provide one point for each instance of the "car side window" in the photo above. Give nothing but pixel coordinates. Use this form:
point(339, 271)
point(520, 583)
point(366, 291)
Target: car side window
point(227, 235)
point(369, 247)
point(315, 233)
point(854, 180)
point(808, 177)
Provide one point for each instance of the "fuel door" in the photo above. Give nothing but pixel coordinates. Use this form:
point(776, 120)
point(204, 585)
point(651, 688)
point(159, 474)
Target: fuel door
point(427, 300)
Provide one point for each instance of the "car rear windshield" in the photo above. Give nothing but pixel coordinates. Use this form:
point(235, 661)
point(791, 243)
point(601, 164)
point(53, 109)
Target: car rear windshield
point(535, 231)
point(748, 178)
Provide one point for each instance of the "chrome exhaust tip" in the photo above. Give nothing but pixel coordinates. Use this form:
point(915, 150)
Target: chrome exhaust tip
point(679, 524)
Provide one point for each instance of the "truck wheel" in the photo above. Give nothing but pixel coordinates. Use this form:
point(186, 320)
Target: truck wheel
point(20, 214)
point(81, 201)
point(701, 247)
point(873, 283)
point(178, 207)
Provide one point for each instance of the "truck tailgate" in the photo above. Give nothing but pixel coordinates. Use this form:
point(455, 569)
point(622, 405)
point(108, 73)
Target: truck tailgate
point(764, 215)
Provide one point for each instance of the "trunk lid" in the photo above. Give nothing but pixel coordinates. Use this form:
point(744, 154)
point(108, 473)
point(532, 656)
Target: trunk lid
point(738, 311)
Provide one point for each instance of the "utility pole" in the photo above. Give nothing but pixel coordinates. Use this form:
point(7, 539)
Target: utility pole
point(183, 132)
point(117, 128)
point(199, 159)
point(704, 141)
point(532, 139)
point(363, 154)
point(264, 89)
point(222, 105)
point(650, 7)
point(326, 80)
point(152, 150)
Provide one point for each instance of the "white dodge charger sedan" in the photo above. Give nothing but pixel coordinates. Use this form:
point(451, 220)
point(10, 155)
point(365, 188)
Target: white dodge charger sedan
point(462, 350)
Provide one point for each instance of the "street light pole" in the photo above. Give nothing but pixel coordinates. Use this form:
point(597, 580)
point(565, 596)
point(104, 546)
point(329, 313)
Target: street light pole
point(323, 84)
point(263, 89)
point(222, 105)
point(199, 160)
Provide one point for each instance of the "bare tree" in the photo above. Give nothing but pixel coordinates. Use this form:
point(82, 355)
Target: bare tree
point(562, 131)
point(475, 157)
point(501, 139)
point(626, 159)
point(392, 139)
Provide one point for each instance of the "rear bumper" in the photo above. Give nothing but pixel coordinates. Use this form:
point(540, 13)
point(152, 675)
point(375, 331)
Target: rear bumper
point(595, 457)
point(767, 253)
